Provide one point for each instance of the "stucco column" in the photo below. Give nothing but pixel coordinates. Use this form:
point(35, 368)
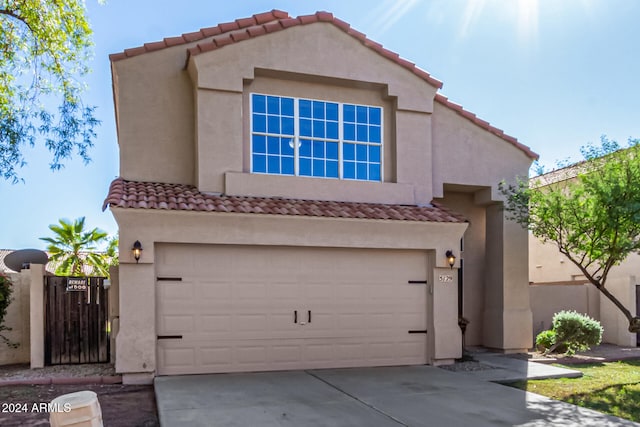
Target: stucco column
point(413, 151)
point(218, 127)
point(136, 339)
point(447, 337)
point(36, 314)
point(507, 315)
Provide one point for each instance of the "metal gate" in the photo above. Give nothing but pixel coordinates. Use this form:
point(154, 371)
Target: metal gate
point(76, 320)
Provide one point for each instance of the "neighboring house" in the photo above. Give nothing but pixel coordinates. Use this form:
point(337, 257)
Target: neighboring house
point(3, 267)
point(557, 284)
point(295, 188)
point(50, 268)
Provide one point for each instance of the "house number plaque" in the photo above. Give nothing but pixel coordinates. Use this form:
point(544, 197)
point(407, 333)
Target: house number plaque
point(445, 278)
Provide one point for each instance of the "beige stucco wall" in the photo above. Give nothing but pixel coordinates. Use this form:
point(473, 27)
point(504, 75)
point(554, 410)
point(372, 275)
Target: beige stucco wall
point(17, 318)
point(474, 261)
point(446, 334)
point(467, 155)
point(613, 321)
point(153, 99)
point(114, 308)
point(284, 63)
point(467, 158)
point(548, 265)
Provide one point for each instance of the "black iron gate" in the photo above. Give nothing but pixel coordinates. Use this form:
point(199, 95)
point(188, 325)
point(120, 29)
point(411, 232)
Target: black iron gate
point(76, 320)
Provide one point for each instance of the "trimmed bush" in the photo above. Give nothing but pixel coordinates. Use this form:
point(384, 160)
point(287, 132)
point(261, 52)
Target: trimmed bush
point(577, 331)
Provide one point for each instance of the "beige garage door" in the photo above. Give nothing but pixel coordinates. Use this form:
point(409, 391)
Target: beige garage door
point(239, 308)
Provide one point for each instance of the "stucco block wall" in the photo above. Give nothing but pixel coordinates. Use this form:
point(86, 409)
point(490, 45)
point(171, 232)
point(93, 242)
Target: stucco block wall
point(613, 321)
point(548, 299)
point(548, 265)
point(17, 318)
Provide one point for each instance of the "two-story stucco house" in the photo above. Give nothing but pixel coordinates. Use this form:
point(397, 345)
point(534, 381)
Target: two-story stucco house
point(295, 188)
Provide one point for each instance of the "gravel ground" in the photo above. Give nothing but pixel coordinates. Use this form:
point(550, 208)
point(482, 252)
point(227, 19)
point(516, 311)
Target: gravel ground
point(15, 372)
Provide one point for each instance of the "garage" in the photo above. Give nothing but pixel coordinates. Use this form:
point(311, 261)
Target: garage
point(226, 308)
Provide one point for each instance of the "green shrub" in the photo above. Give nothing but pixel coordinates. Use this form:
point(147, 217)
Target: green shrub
point(577, 331)
point(545, 340)
point(6, 289)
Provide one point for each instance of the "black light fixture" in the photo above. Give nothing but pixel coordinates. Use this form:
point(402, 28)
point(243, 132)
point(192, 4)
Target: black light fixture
point(137, 250)
point(451, 258)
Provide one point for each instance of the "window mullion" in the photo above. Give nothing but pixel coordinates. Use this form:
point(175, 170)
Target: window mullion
point(296, 137)
point(381, 144)
point(340, 140)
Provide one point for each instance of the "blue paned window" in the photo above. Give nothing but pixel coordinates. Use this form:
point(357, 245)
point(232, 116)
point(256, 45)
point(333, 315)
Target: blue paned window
point(315, 138)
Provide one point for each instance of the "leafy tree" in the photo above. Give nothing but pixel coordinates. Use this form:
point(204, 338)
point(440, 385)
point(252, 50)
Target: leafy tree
point(44, 45)
point(6, 289)
point(73, 248)
point(112, 251)
point(592, 213)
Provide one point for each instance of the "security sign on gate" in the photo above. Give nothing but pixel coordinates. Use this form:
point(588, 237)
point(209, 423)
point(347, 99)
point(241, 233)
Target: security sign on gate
point(77, 284)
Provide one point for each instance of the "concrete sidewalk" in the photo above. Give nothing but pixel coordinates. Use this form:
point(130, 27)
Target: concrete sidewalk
point(393, 396)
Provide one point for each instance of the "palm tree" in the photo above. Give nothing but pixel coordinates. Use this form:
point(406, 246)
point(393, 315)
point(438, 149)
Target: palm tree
point(72, 248)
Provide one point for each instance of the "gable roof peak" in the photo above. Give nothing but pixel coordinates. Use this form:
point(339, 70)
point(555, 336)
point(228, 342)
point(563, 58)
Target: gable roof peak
point(264, 23)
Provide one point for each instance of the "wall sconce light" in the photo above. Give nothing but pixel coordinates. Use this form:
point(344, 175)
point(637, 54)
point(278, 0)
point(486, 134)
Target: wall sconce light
point(137, 250)
point(451, 258)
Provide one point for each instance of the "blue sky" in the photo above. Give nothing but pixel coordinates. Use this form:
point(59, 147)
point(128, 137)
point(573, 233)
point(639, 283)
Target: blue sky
point(555, 74)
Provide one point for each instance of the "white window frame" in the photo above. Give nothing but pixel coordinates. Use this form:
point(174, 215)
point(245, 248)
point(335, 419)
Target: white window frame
point(297, 143)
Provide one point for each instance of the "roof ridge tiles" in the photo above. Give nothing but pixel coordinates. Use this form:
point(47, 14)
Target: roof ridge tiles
point(256, 19)
point(272, 21)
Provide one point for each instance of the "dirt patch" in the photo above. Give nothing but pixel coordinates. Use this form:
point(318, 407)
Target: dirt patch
point(121, 405)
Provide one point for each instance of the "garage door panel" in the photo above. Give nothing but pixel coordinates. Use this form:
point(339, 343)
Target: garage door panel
point(236, 308)
point(214, 292)
point(177, 324)
point(214, 323)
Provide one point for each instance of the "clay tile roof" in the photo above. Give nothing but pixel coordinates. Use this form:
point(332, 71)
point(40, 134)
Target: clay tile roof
point(485, 125)
point(153, 195)
point(263, 23)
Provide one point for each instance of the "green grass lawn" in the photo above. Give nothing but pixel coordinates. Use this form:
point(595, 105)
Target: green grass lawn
point(612, 388)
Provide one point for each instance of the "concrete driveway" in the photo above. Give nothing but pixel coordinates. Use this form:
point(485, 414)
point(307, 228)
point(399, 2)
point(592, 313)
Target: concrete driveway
point(394, 396)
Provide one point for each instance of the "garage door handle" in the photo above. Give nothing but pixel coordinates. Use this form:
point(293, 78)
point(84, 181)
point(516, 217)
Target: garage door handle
point(295, 316)
point(309, 316)
point(169, 337)
point(423, 331)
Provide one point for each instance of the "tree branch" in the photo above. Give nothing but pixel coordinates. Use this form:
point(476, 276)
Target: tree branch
point(14, 15)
